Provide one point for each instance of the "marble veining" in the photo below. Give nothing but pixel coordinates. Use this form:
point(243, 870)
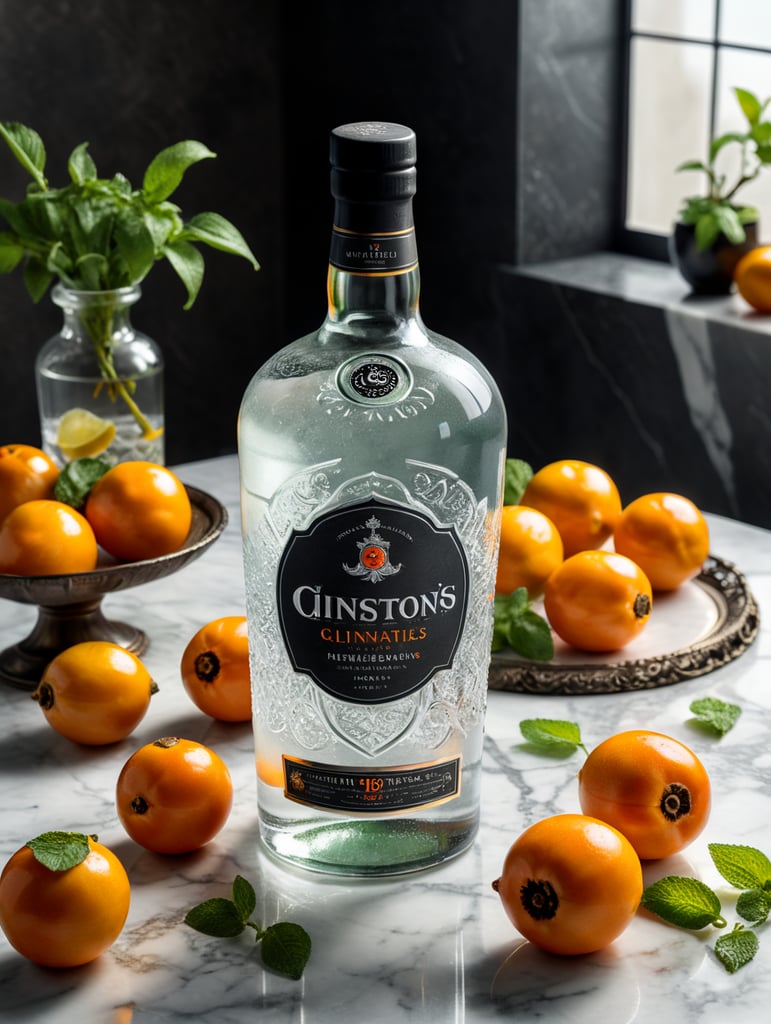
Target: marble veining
point(429, 947)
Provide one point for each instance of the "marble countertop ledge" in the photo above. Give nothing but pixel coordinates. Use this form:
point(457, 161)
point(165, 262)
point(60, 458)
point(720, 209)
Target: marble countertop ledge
point(647, 283)
point(430, 948)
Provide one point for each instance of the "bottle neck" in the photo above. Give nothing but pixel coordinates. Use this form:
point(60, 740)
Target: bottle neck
point(96, 315)
point(373, 266)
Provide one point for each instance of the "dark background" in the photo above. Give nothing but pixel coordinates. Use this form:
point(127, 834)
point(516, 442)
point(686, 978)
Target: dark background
point(501, 181)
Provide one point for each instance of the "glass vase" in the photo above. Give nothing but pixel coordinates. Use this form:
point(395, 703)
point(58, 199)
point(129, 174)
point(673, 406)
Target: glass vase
point(100, 381)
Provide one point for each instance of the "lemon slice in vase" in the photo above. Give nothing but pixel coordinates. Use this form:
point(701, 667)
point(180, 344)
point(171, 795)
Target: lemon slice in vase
point(82, 435)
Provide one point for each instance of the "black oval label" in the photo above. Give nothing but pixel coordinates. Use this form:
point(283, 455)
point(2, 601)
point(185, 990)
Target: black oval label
point(372, 600)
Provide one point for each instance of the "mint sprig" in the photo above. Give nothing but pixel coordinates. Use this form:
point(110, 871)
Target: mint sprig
point(552, 735)
point(689, 903)
point(715, 715)
point(285, 947)
point(517, 626)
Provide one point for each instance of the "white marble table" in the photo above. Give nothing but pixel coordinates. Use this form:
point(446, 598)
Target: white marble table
point(431, 947)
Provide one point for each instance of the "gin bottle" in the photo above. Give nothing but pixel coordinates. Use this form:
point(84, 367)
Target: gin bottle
point(371, 457)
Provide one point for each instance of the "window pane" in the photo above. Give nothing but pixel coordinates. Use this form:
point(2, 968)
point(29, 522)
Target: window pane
point(746, 22)
point(668, 123)
point(692, 18)
point(748, 71)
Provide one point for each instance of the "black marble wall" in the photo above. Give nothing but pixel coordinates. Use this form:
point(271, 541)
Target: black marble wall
point(624, 369)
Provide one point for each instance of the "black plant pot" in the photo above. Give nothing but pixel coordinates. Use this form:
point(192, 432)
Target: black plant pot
point(709, 272)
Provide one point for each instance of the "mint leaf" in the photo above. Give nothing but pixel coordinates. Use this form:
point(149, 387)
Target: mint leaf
point(167, 169)
point(286, 948)
point(716, 715)
point(743, 866)
point(754, 905)
point(530, 635)
point(684, 902)
point(552, 734)
point(244, 897)
point(76, 480)
point(517, 626)
point(59, 851)
point(737, 948)
point(516, 478)
point(217, 916)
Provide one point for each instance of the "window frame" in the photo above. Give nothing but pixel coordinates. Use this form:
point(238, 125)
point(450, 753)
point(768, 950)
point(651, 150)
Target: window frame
point(634, 242)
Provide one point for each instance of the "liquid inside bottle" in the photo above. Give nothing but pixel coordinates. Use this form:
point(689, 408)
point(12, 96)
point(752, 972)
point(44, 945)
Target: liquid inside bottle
point(372, 455)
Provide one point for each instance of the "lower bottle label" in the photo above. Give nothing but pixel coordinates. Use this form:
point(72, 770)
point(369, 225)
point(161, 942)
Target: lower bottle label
point(377, 790)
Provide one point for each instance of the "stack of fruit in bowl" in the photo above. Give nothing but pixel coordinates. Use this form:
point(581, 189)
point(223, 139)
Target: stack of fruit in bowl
point(566, 539)
point(54, 522)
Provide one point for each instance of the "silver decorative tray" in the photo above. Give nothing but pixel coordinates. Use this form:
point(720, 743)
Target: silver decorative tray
point(693, 630)
point(69, 605)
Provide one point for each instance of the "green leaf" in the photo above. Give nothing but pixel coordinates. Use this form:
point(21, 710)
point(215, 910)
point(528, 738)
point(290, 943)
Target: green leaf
point(27, 146)
point(737, 948)
point(552, 734)
point(76, 480)
point(750, 104)
point(529, 634)
point(167, 169)
point(684, 902)
point(517, 476)
point(286, 948)
point(11, 252)
point(517, 626)
point(219, 233)
point(217, 916)
point(707, 231)
point(723, 140)
point(693, 165)
point(244, 897)
point(743, 866)
point(754, 905)
point(135, 244)
point(164, 224)
point(80, 165)
point(716, 715)
point(729, 223)
point(188, 264)
point(37, 278)
point(59, 851)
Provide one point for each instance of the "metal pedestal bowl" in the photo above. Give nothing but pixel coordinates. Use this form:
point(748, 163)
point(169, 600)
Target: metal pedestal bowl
point(70, 605)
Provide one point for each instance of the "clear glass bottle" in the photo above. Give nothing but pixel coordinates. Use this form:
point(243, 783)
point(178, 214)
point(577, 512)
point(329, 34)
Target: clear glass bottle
point(372, 454)
point(101, 364)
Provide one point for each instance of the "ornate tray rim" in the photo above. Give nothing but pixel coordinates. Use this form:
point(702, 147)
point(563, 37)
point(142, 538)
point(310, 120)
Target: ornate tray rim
point(736, 627)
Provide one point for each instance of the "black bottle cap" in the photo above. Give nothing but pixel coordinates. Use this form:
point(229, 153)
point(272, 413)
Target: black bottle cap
point(373, 161)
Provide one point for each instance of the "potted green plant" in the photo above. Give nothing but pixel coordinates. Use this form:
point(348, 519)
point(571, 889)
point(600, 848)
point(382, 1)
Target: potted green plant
point(715, 230)
point(99, 381)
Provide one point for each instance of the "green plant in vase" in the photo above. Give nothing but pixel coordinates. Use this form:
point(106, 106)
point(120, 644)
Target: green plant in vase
point(97, 239)
point(715, 229)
